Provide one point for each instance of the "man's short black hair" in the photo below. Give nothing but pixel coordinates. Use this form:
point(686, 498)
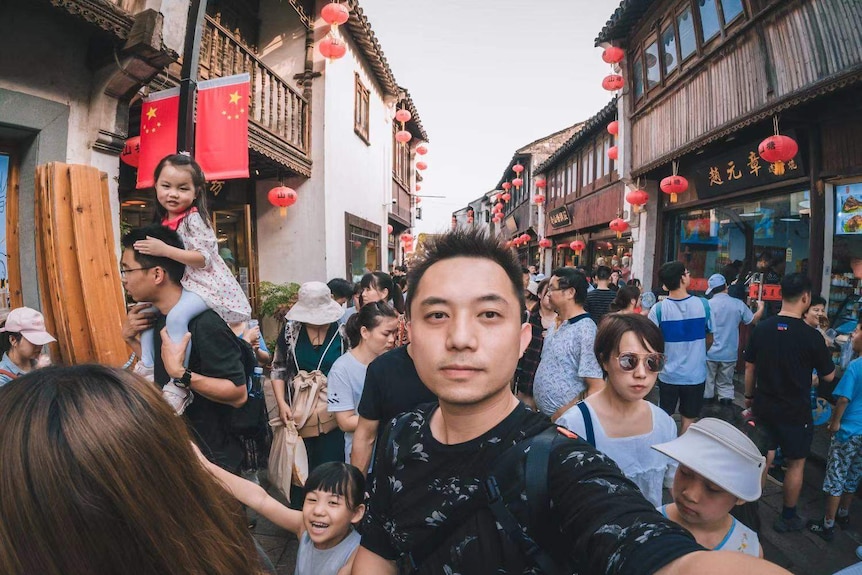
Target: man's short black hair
point(730, 272)
point(670, 274)
point(572, 278)
point(175, 270)
point(466, 243)
point(341, 287)
point(603, 273)
point(794, 285)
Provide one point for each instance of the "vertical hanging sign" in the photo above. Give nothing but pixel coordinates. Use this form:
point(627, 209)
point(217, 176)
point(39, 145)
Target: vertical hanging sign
point(221, 134)
point(159, 117)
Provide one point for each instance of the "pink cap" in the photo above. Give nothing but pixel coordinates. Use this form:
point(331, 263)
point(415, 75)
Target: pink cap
point(29, 323)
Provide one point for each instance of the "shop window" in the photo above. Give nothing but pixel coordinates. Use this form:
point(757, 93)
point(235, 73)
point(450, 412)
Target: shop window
point(687, 38)
point(573, 176)
point(360, 110)
point(638, 78)
point(605, 162)
point(710, 26)
point(731, 10)
point(363, 251)
point(774, 231)
point(845, 291)
point(653, 74)
point(668, 46)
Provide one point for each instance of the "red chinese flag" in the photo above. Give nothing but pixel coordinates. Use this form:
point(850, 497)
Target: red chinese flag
point(159, 117)
point(221, 135)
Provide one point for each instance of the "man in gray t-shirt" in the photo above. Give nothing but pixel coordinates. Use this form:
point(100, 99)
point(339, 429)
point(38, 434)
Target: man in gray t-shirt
point(568, 365)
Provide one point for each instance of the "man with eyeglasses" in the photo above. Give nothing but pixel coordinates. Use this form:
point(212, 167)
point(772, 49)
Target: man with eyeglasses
point(215, 370)
point(685, 323)
point(568, 367)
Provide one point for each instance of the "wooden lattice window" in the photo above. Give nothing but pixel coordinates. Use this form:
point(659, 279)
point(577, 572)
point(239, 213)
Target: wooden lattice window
point(360, 111)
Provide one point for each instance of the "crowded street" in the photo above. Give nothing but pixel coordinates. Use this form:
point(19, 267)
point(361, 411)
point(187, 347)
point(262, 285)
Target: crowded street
point(577, 289)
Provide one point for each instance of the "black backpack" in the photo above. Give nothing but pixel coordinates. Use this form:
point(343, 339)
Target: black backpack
point(250, 418)
point(537, 541)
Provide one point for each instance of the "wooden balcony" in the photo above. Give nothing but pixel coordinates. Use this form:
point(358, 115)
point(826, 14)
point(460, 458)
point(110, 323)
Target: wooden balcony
point(279, 126)
point(401, 204)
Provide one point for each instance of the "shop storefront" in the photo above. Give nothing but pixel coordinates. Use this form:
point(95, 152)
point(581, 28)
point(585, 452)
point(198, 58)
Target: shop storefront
point(845, 289)
point(743, 211)
point(230, 204)
point(363, 246)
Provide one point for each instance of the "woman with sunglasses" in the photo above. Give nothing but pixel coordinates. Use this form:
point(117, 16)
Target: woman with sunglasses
point(617, 420)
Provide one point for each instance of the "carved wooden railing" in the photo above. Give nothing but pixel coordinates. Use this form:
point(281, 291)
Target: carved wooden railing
point(274, 105)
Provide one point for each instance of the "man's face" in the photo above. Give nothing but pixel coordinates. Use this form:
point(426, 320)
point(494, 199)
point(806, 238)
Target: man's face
point(135, 280)
point(466, 337)
point(685, 281)
point(856, 339)
point(557, 296)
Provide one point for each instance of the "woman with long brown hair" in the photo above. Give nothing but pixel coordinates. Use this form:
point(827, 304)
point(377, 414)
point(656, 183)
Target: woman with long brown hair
point(99, 476)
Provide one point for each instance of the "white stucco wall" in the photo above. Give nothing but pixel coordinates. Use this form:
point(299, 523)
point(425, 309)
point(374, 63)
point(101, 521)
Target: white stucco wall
point(358, 175)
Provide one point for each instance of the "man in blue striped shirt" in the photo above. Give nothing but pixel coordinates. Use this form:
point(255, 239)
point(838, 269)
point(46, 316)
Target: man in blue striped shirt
point(684, 321)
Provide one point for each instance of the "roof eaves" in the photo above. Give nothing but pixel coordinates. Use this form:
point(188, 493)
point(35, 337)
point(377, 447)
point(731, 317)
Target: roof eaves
point(624, 18)
point(415, 123)
point(590, 127)
point(365, 39)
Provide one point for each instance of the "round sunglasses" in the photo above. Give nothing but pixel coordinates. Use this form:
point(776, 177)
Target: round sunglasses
point(629, 361)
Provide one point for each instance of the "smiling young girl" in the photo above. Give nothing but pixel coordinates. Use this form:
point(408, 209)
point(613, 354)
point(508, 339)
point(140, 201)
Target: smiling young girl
point(333, 505)
point(208, 282)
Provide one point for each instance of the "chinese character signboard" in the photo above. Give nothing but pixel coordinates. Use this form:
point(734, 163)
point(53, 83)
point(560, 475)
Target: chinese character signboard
point(741, 169)
point(559, 217)
point(848, 209)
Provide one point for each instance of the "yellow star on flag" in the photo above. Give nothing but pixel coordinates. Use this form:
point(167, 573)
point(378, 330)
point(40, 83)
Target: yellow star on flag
point(151, 113)
point(234, 98)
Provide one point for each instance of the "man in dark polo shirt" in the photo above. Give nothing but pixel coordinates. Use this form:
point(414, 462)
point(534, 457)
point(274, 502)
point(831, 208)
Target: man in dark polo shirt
point(781, 355)
point(215, 373)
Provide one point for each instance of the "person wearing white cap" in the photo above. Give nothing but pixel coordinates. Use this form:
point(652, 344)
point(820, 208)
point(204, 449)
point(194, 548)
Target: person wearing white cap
point(311, 341)
point(24, 335)
point(719, 468)
point(727, 313)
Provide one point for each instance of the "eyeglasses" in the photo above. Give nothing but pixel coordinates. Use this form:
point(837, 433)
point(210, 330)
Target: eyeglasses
point(123, 272)
point(629, 361)
point(550, 289)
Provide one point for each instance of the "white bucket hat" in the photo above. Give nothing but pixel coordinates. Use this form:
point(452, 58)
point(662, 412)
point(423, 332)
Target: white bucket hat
point(720, 453)
point(315, 305)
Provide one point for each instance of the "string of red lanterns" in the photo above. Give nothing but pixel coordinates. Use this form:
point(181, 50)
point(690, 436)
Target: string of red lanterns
point(331, 46)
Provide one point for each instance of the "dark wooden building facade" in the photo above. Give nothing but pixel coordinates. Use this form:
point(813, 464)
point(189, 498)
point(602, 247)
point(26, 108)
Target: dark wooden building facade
point(706, 79)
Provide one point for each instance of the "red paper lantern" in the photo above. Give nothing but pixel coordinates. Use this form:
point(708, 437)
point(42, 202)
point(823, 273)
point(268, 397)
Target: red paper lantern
point(131, 153)
point(674, 185)
point(525, 238)
point(517, 182)
point(403, 115)
point(498, 207)
point(421, 166)
point(469, 219)
point(538, 199)
point(619, 225)
point(540, 184)
point(613, 82)
point(421, 149)
point(577, 246)
point(613, 55)
point(418, 187)
point(403, 136)
point(613, 152)
point(406, 238)
point(417, 199)
point(335, 14)
point(506, 197)
point(507, 186)
point(777, 150)
point(282, 197)
point(545, 243)
point(332, 48)
point(517, 168)
point(389, 229)
point(614, 128)
point(357, 244)
point(637, 198)
point(497, 218)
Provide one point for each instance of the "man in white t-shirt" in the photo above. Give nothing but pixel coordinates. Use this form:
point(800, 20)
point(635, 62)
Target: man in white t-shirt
point(685, 323)
point(727, 313)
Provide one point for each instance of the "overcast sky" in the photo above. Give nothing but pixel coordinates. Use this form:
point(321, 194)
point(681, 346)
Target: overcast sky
point(488, 77)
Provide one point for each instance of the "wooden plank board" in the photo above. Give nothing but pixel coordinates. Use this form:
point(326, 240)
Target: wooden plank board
point(96, 265)
point(44, 260)
point(64, 279)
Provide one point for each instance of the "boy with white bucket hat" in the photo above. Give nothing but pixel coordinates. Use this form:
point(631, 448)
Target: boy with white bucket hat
point(719, 468)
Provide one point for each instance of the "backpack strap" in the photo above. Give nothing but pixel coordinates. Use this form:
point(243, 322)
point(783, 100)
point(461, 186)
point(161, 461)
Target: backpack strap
point(706, 312)
point(658, 312)
point(588, 423)
point(8, 374)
